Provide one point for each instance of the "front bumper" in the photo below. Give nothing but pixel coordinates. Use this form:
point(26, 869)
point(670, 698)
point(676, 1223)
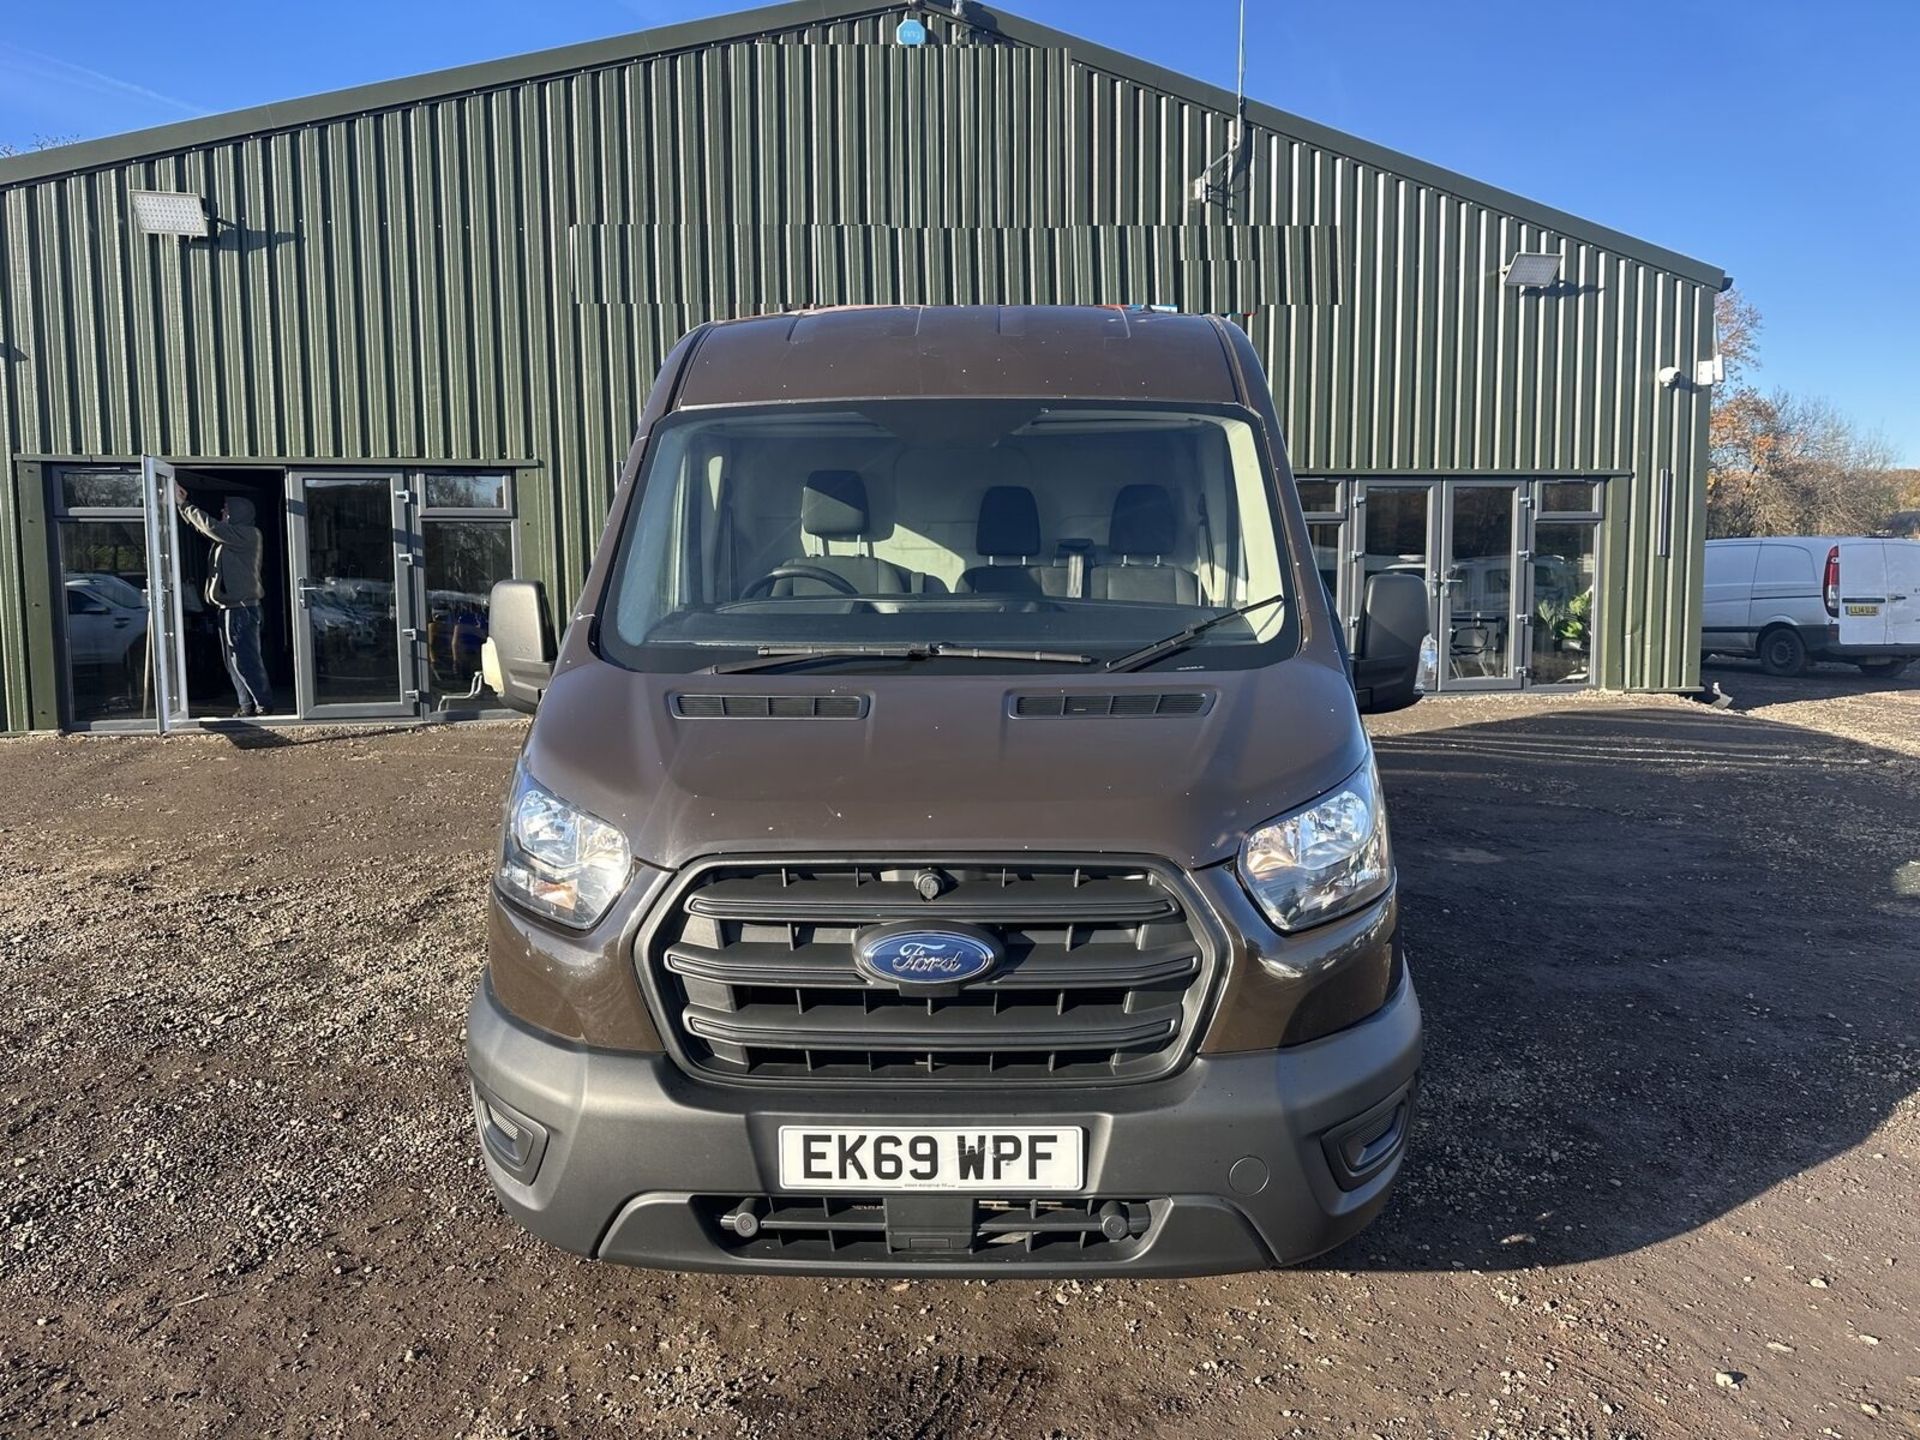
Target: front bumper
point(1236, 1162)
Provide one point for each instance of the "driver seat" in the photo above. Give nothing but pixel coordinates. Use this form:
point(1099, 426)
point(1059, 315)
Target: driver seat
point(833, 506)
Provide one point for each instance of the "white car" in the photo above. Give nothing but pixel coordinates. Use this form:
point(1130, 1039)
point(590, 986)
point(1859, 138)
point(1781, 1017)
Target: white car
point(106, 622)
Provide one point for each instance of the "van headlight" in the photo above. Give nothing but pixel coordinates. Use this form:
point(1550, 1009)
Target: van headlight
point(1323, 859)
point(556, 859)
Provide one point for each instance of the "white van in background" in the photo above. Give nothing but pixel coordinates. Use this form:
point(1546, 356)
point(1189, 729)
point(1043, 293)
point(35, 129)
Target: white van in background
point(1790, 599)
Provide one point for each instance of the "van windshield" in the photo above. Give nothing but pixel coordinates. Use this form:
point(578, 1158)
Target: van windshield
point(948, 524)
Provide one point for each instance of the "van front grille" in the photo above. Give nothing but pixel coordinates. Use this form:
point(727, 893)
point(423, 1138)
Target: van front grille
point(1102, 977)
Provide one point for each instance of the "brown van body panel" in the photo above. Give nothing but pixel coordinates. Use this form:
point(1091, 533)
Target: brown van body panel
point(944, 764)
point(933, 351)
point(941, 764)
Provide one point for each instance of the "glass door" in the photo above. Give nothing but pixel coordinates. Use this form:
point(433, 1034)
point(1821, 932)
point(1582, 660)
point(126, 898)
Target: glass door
point(1395, 527)
point(1479, 586)
point(166, 657)
point(353, 626)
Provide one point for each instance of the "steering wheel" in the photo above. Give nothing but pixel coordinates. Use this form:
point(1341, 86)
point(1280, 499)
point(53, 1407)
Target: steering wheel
point(832, 579)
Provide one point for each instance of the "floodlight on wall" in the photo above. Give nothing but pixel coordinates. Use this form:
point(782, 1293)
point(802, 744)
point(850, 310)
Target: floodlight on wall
point(1531, 272)
point(171, 212)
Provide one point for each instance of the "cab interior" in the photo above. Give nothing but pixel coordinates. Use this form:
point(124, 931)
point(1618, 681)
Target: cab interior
point(1067, 509)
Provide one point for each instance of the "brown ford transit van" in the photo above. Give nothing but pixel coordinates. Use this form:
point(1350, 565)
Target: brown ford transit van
point(947, 842)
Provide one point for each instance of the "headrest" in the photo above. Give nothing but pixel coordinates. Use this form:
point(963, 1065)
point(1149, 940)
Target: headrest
point(834, 505)
point(1009, 522)
point(1143, 521)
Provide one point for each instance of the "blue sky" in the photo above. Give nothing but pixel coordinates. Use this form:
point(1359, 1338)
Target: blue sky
point(1778, 139)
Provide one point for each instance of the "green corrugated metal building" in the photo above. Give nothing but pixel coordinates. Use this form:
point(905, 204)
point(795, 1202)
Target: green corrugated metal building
point(419, 330)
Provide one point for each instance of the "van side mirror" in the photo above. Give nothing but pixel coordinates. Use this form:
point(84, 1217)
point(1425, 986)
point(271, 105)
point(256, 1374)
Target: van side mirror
point(517, 658)
point(1394, 621)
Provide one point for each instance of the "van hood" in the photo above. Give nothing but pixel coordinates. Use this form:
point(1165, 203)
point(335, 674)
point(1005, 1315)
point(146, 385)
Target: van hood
point(938, 762)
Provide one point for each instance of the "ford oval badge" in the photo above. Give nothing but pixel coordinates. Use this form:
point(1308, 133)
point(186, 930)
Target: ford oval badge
point(914, 956)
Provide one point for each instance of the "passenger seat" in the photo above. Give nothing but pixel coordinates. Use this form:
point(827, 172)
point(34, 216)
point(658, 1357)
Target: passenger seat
point(1009, 531)
point(833, 506)
point(1145, 529)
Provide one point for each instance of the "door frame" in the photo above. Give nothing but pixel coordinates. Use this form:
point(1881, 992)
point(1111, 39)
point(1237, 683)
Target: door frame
point(422, 516)
point(166, 620)
point(1441, 493)
point(1357, 548)
point(406, 693)
point(1519, 574)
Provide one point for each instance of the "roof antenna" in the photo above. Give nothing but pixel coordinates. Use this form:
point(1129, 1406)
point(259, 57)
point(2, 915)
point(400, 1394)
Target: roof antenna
point(1206, 189)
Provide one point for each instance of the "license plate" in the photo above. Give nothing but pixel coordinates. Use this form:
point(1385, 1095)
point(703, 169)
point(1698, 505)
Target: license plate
point(934, 1157)
point(1863, 609)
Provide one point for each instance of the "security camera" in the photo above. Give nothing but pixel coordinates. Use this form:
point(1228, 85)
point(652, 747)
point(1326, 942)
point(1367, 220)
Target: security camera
point(1669, 377)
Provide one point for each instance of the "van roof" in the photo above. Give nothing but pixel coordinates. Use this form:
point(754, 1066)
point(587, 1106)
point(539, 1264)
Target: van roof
point(1102, 352)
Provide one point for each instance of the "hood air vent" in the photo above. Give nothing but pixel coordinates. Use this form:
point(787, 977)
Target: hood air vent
point(769, 707)
point(1127, 704)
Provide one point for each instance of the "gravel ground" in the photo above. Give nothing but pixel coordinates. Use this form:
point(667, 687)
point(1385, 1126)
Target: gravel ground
point(1663, 1181)
point(1833, 699)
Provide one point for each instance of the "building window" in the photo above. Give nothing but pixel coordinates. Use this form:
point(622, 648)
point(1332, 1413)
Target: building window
point(1324, 502)
point(1565, 572)
point(468, 541)
point(1325, 538)
point(1581, 497)
point(1320, 497)
point(1462, 529)
point(102, 531)
point(451, 491)
point(83, 489)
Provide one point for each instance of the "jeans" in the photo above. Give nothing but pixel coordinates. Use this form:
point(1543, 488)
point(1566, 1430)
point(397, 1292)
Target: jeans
point(240, 630)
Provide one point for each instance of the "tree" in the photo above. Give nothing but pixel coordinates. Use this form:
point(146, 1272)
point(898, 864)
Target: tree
point(1780, 464)
point(1736, 328)
point(40, 142)
point(1905, 520)
point(1784, 465)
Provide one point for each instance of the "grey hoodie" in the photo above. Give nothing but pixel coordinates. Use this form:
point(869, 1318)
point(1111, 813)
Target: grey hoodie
point(234, 578)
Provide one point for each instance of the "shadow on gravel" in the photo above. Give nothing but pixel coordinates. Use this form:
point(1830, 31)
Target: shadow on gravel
point(1665, 966)
point(1750, 685)
point(244, 735)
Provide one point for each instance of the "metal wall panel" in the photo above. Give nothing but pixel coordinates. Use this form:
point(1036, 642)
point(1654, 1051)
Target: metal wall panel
point(496, 275)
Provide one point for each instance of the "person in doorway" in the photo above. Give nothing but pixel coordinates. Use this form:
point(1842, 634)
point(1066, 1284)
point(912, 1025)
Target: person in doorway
point(234, 588)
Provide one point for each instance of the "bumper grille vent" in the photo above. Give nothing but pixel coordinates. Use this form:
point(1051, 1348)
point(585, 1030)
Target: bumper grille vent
point(853, 1229)
point(1127, 704)
point(1102, 979)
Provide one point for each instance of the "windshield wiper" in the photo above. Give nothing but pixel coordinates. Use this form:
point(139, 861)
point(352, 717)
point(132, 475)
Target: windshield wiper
point(769, 657)
point(1147, 654)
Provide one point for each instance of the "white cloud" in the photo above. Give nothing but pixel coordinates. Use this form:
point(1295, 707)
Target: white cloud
point(69, 96)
